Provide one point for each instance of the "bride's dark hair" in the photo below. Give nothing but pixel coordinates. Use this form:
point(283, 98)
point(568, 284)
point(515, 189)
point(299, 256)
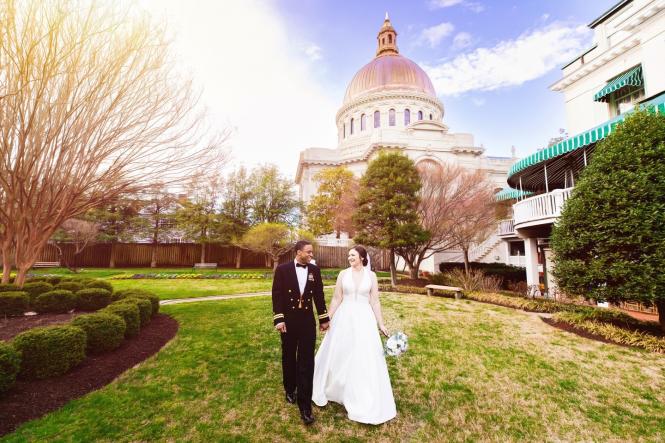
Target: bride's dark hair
point(362, 252)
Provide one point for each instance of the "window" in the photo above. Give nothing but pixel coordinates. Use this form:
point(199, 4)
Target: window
point(351, 128)
point(377, 119)
point(363, 122)
point(407, 117)
point(344, 130)
point(624, 100)
point(390, 38)
point(391, 117)
point(517, 248)
point(420, 115)
point(430, 117)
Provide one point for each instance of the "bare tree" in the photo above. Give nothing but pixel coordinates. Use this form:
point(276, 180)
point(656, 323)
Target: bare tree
point(77, 232)
point(445, 192)
point(159, 208)
point(91, 109)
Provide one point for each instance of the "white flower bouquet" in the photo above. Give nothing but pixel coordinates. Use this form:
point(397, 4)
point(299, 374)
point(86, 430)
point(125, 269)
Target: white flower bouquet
point(397, 344)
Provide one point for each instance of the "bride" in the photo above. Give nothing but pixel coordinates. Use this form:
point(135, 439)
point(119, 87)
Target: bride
point(349, 367)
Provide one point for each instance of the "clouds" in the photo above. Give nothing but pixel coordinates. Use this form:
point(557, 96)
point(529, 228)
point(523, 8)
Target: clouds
point(510, 62)
point(434, 34)
point(313, 52)
point(440, 4)
point(462, 40)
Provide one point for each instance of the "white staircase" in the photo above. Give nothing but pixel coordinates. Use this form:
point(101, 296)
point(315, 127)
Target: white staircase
point(479, 252)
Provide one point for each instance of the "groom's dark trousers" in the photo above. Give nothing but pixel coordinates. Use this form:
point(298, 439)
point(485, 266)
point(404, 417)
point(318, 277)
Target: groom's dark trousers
point(296, 310)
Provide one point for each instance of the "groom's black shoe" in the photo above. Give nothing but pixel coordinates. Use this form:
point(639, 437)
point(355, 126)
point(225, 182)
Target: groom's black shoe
point(291, 397)
point(307, 417)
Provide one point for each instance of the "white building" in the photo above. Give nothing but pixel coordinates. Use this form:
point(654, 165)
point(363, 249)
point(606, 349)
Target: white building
point(625, 67)
point(391, 104)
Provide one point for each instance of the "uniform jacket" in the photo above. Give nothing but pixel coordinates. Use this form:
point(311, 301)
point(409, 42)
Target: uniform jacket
point(288, 302)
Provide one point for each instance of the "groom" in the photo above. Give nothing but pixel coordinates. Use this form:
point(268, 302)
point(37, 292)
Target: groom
point(294, 286)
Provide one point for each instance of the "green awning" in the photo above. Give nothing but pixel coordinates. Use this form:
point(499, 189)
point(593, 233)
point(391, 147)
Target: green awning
point(510, 194)
point(632, 77)
point(583, 139)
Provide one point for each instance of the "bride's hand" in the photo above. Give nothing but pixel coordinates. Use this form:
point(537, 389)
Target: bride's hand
point(384, 330)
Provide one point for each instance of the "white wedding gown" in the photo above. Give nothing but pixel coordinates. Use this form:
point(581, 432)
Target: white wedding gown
point(350, 368)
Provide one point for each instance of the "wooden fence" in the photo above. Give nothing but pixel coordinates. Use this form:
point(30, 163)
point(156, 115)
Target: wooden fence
point(127, 255)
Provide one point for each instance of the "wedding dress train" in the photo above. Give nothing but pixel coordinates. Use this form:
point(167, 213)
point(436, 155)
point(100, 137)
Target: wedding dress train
point(350, 367)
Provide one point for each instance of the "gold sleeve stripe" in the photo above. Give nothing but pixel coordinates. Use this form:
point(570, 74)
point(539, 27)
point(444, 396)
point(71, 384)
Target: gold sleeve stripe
point(276, 316)
point(323, 316)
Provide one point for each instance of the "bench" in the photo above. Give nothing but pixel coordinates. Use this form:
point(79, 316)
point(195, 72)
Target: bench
point(457, 291)
point(46, 264)
point(205, 265)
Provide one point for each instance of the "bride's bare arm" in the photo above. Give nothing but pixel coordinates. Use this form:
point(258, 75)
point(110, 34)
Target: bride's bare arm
point(376, 304)
point(337, 296)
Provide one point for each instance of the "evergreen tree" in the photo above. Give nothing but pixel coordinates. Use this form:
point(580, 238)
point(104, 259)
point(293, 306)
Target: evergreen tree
point(609, 243)
point(387, 214)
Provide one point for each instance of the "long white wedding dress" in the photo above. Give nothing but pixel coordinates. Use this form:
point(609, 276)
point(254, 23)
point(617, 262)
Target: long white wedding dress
point(350, 367)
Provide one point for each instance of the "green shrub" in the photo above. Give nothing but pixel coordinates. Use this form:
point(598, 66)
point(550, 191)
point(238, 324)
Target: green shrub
point(53, 280)
point(35, 288)
point(402, 288)
point(58, 301)
point(474, 280)
point(507, 273)
point(144, 305)
point(50, 351)
point(103, 284)
point(13, 304)
point(92, 299)
point(129, 312)
point(140, 293)
point(104, 331)
point(8, 287)
point(73, 286)
point(10, 363)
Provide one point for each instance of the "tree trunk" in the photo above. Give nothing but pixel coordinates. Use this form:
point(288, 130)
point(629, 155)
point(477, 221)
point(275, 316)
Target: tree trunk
point(466, 261)
point(275, 263)
point(203, 252)
point(21, 274)
point(6, 263)
point(153, 256)
point(393, 269)
point(413, 270)
point(660, 304)
point(238, 257)
point(112, 259)
point(155, 241)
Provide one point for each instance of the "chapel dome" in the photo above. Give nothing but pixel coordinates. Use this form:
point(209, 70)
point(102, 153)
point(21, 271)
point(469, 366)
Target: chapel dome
point(389, 71)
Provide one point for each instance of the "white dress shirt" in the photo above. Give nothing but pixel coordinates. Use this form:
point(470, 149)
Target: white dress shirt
point(302, 276)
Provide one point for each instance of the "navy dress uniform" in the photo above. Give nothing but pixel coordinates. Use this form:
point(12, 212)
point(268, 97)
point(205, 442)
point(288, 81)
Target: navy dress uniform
point(294, 288)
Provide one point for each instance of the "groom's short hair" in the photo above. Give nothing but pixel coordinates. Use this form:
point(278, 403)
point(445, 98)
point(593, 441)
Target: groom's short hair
point(300, 244)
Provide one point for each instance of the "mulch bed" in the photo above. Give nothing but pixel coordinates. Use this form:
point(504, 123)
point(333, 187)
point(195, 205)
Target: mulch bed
point(414, 282)
point(28, 400)
point(582, 332)
point(10, 327)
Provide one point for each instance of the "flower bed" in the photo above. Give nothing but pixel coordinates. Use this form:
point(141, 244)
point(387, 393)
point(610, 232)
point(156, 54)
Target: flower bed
point(211, 276)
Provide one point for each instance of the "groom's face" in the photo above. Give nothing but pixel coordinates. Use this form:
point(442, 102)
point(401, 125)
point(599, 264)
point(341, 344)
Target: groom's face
point(306, 254)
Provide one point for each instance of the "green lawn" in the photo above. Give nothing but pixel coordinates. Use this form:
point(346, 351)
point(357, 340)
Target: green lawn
point(473, 372)
point(174, 288)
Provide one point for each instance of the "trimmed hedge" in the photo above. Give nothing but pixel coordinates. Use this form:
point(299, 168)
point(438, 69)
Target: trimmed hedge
point(92, 299)
point(8, 287)
point(58, 301)
point(10, 363)
point(102, 284)
point(73, 286)
point(50, 351)
point(144, 305)
point(140, 293)
point(508, 274)
point(14, 304)
point(104, 331)
point(129, 312)
point(36, 288)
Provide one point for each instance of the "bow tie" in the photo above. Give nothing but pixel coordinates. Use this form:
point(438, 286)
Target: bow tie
point(298, 265)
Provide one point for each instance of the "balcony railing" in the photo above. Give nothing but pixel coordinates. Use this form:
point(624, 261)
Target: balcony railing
point(506, 227)
point(541, 207)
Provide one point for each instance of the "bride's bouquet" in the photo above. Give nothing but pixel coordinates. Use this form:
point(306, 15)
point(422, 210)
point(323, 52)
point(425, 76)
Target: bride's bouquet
point(397, 344)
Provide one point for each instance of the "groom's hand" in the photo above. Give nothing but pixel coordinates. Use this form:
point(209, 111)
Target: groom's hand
point(281, 327)
point(324, 326)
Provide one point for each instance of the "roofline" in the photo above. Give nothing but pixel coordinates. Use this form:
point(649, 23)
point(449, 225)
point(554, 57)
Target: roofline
point(579, 56)
point(609, 13)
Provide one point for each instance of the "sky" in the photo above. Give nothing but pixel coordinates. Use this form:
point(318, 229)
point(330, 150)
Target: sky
point(275, 71)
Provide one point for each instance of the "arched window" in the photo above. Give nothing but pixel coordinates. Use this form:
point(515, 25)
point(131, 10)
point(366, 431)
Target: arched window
point(391, 117)
point(344, 130)
point(377, 119)
point(430, 116)
point(363, 122)
point(407, 117)
point(390, 38)
point(351, 131)
point(383, 41)
point(420, 115)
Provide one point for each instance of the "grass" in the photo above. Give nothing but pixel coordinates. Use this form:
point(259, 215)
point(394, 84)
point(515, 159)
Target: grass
point(172, 289)
point(473, 372)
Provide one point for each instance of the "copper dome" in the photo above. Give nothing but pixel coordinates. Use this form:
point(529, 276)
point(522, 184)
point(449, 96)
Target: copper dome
point(389, 73)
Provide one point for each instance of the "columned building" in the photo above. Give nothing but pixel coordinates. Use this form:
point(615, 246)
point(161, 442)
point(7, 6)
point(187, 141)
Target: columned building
point(391, 104)
point(623, 69)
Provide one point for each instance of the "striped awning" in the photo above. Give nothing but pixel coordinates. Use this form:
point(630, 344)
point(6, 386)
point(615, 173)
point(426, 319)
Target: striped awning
point(583, 139)
point(510, 194)
point(632, 77)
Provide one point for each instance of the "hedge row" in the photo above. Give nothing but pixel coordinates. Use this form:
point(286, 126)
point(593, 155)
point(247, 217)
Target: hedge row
point(63, 296)
point(50, 351)
point(209, 276)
